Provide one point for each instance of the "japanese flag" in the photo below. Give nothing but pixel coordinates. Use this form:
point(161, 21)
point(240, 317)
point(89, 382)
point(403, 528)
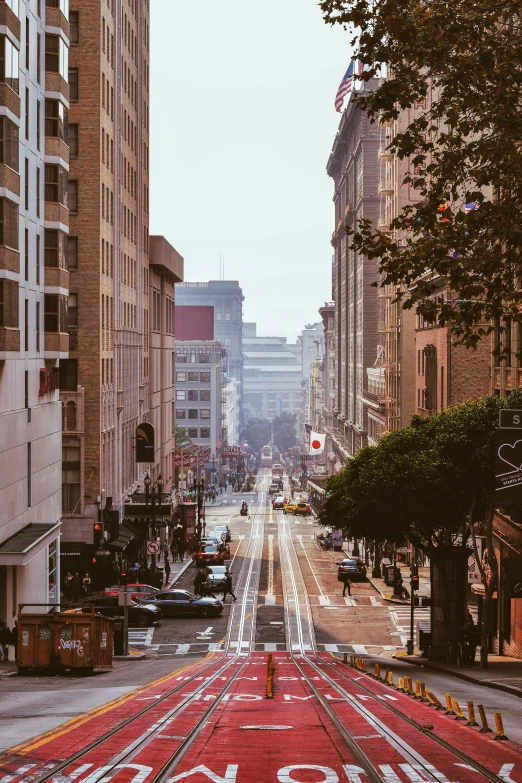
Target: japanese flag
point(317, 441)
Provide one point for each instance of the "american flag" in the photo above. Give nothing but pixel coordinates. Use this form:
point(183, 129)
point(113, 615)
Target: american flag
point(471, 207)
point(345, 87)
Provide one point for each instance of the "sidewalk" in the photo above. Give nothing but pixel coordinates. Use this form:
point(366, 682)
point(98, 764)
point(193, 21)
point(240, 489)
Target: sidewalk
point(503, 673)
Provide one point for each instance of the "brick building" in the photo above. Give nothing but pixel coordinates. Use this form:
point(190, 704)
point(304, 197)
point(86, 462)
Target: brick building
point(34, 217)
point(106, 382)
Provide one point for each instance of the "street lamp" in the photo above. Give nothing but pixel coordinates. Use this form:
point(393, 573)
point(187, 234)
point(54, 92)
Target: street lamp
point(200, 486)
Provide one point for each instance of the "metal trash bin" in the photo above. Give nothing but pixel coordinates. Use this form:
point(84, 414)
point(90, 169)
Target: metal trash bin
point(118, 636)
point(389, 575)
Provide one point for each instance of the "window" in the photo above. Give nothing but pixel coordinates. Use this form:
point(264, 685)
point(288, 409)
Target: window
point(205, 432)
point(193, 413)
point(55, 315)
point(63, 5)
point(204, 395)
point(9, 303)
point(181, 413)
point(74, 27)
point(72, 310)
point(38, 123)
point(9, 143)
point(53, 588)
point(72, 195)
point(26, 325)
point(204, 377)
point(71, 463)
point(204, 358)
point(181, 377)
point(37, 192)
point(204, 413)
point(26, 253)
point(9, 223)
point(38, 326)
point(29, 476)
point(38, 58)
point(192, 376)
point(27, 112)
point(181, 394)
point(227, 316)
point(13, 5)
point(181, 358)
point(55, 248)
point(52, 180)
point(72, 252)
point(9, 73)
point(38, 259)
point(26, 178)
point(73, 140)
point(193, 395)
point(219, 316)
point(68, 374)
point(73, 84)
point(56, 55)
point(193, 432)
point(56, 120)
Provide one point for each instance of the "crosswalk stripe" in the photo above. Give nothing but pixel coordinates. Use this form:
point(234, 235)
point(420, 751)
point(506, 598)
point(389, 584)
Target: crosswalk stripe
point(349, 601)
point(183, 649)
point(331, 648)
point(359, 649)
point(323, 600)
point(270, 600)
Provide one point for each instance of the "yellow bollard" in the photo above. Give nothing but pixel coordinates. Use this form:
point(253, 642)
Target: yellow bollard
point(376, 671)
point(434, 702)
point(483, 720)
point(345, 658)
point(499, 726)
point(471, 715)
point(270, 687)
point(409, 686)
point(449, 706)
point(417, 696)
point(424, 698)
point(389, 678)
point(458, 711)
point(400, 684)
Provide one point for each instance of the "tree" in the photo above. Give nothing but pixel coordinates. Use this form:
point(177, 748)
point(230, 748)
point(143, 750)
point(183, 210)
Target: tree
point(432, 482)
point(257, 433)
point(285, 437)
point(181, 439)
point(283, 420)
point(464, 58)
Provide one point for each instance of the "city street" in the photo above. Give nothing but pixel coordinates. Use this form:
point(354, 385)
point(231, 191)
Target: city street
point(204, 678)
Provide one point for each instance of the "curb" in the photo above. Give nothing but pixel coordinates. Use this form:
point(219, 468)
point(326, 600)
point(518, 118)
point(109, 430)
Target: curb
point(180, 573)
point(133, 655)
point(6, 675)
point(397, 601)
point(461, 676)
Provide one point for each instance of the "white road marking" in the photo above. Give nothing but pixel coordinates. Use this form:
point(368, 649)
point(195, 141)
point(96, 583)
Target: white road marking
point(270, 600)
point(323, 599)
point(349, 601)
point(374, 601)
point(182, 649)
point(359, 649)
point(331, 648)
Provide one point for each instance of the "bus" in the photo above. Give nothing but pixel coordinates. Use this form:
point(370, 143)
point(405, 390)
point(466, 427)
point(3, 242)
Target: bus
point(266, 457)
point(277, 470)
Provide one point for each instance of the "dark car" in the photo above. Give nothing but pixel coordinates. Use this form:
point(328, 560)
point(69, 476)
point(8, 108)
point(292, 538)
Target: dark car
point(174, 603)
point(355, 569)
point(142, 614)
point(215, 581)
point(209, 555)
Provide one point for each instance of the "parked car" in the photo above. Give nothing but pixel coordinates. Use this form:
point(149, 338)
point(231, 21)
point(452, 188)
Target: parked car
point(279, 502)
point(209, 554)
point(290, 507)
point(273, 488)
point(354, 567)
point(173, 603)
point(222, 530)
point(143, 614)
point(302, 508)
point(137, 590)
point(215, 580)
point(216, 540)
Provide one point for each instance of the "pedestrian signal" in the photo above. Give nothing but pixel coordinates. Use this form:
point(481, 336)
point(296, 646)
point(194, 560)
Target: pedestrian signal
point(98, 534)
point(414, 582)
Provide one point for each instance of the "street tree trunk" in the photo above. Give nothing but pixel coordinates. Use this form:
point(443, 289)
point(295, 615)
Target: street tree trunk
point(490, 587)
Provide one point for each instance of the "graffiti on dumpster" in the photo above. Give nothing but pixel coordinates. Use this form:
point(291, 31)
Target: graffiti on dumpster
point(72, 644)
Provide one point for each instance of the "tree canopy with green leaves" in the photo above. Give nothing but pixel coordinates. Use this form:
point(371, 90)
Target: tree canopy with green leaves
point(257, 433)
point(285, 437)
point(466, 59)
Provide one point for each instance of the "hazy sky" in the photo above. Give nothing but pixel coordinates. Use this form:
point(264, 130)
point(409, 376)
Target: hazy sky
point(242, 123)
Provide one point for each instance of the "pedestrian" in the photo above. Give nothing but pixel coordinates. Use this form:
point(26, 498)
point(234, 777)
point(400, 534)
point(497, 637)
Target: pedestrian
point(226, 485)
point(68, 586)
point(174, 550)
point(347, 585)
point(86, 584)
point(5, 641)
point(181, 551)
point(399, 589)
point(198, 582)
point(142, 574)
point(76, 587)
point(167, 571)
point(14, 638)
point(228, 586)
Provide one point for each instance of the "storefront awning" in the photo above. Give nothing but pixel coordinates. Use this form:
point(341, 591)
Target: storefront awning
point(27, 543)
point(124, 538)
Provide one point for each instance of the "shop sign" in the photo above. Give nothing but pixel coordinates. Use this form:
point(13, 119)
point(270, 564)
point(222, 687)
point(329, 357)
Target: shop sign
point(474, 576)
point(145, 442)
point(508, 465)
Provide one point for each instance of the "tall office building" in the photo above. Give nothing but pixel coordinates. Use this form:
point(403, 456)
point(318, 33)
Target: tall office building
point(226, 297)
point(106, 382)
point(34, 163)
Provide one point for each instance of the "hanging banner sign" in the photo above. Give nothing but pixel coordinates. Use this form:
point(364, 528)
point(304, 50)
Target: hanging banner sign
point(231, 451)
point(508, 465)
point(145, 442)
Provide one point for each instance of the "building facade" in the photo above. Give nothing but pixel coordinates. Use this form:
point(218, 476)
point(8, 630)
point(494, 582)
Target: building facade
point(200, 399)
point(34, 283)
point(106, 389)
point(272, 376)
point(353, 166)
point(226, 297)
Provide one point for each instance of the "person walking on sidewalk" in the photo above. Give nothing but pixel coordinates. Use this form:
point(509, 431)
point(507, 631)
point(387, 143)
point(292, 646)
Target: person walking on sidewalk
point(167, 570)
point(181, 551)
point(347, 585)
point(228, 586)
point(5, 641)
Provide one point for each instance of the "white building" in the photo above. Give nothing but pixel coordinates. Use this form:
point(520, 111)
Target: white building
point(33, 297)
point(232, 411)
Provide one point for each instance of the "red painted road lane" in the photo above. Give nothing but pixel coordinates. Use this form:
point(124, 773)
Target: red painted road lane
point(62, 742)
point(483, 748)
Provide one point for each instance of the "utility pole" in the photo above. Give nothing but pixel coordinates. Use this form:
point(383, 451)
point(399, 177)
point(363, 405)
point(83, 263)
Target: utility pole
point(414, 583)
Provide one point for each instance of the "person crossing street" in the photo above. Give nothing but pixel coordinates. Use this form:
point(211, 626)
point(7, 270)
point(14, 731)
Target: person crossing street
point(228, 587)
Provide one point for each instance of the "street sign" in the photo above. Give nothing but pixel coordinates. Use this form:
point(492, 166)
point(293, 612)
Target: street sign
point(508, 465)
point(231, 451)
point(510, 418)
point(153, 548)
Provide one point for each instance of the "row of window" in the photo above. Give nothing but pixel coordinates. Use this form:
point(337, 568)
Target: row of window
point(193, 413)
point(193, 358)
point(193, 395)
point(182, 377)
point(192, 432)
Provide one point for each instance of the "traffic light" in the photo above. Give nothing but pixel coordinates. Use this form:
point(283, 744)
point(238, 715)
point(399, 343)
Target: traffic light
point(414, 578)
point(400, 557)
point(98, 534)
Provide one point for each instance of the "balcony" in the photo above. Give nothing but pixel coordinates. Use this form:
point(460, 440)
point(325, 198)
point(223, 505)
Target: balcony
point(56, 345)
point(9, 179)
point(10, 260)
point(54, 18)
point(9, 98)
point(385, 188)
point(9, 19)
point(54, 277)
point(9, 340)
point(382, 226)
point(385, 154)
